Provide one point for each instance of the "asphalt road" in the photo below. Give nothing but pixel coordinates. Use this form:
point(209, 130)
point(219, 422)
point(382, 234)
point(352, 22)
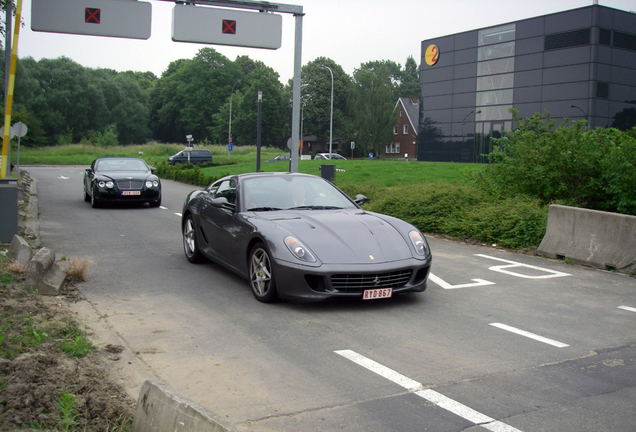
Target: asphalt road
point(499, 341)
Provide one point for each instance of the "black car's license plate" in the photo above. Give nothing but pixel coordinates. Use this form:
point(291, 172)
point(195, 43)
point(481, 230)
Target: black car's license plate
point(378, 293)
point(131, 192)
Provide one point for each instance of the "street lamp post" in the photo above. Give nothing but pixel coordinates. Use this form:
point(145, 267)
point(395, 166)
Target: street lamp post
point(580, 109)
point(229, 131)
point(331, 119)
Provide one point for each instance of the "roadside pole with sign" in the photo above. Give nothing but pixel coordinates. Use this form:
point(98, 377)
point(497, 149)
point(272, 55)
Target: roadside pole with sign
point(353, 145)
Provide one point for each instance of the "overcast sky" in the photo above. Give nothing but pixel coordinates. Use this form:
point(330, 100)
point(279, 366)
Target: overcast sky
point(350, 32)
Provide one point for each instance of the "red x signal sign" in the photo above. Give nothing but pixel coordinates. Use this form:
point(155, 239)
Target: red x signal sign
point(229, 27)
point(92, 15)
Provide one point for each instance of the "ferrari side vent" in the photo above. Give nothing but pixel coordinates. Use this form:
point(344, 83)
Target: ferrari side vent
point(356, 283)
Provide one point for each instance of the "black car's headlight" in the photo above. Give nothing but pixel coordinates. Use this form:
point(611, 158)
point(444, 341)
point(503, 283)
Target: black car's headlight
point(150, 184)
point(107, 184)
point(418, 243)
point(299, 250)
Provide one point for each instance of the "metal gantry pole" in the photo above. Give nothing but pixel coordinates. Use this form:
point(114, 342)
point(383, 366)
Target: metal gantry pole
point(295, 135)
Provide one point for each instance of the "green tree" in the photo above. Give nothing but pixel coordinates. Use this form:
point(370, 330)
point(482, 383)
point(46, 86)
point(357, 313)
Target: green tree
point(316, 99)
point(67, 98)
point(273, 119)
point(409, 85)
point(188, 94)
point(372, 103)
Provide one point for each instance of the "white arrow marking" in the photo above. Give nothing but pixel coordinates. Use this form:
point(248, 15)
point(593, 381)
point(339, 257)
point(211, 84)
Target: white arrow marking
point(446, 285)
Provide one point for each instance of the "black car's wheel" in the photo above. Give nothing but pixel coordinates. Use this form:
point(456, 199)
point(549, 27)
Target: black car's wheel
point(87, 197)
point(95, 202)
point(155, 203)
point(190, 245)
point(262, 275)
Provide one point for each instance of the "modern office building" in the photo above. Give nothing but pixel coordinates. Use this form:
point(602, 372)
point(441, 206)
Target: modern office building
point(576, 64)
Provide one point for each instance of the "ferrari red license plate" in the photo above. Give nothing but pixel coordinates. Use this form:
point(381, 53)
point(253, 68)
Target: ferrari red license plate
point(379, 293)
point(131, 192)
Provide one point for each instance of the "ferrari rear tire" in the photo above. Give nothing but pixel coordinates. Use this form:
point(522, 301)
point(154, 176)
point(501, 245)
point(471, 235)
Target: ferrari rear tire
point(190, 242)
point(262, 275)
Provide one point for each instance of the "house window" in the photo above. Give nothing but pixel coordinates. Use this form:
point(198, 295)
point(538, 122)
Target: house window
point(401, 113)
point(405, 129)
point(395, 130)
point(392, 148)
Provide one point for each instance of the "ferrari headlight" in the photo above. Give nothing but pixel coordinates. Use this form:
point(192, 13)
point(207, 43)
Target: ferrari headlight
point(101, 184)
point(419, 243)
point(148, 184)
point(299, 250)
point(155, 183)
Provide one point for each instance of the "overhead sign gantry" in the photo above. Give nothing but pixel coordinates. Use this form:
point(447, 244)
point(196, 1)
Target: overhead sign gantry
point(193, 21)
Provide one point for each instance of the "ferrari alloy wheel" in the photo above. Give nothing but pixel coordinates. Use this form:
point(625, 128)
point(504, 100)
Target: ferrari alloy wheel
point(190, 246)
point(262, 275)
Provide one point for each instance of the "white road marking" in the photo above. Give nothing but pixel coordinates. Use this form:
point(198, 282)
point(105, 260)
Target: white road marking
point(428, 394)
point(164, 208)
point(530, 335)
point(627, 308)
point(500, 269)
point(439, 281)
point(178, 214)
point(63, 178)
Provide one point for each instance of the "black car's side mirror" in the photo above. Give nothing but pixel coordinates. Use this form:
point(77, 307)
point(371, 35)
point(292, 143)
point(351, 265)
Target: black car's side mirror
point(361, 199)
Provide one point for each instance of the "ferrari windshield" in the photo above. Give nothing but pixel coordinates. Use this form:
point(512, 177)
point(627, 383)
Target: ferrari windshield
point(283, 193)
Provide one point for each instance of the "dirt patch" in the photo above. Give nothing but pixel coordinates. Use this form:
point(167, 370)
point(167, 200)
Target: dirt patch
point(43, 387)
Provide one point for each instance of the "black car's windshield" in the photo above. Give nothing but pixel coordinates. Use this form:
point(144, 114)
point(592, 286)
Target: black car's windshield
point(292, 192)
point(121, 165)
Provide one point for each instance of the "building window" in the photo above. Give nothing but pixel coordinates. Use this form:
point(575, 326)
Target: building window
point(567, 39)
point(395, 132)
point(401, 113)
point(602, 90)
point(405, 129)
point(392, 148)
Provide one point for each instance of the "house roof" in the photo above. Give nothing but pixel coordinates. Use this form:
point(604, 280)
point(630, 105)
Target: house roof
point(411, 109)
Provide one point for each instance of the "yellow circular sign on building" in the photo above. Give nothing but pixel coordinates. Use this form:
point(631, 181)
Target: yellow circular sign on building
point(432, 55)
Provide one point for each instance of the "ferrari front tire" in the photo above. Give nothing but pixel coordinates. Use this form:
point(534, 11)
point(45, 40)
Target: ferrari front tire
point(262, 275)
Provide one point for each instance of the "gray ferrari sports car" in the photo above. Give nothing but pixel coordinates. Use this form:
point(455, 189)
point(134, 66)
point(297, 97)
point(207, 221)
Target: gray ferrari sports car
point(297, 237)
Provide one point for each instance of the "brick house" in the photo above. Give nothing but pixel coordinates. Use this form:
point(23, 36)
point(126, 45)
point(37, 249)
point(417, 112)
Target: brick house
point(405, 131)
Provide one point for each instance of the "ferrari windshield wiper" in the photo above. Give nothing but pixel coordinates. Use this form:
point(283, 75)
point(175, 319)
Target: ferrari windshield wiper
point(263, 209)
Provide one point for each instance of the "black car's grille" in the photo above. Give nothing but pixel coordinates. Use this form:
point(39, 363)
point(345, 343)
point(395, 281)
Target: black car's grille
point(129, 184)
point(354, 283)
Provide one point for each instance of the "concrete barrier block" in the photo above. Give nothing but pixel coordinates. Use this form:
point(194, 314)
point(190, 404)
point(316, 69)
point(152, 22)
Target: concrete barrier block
point(590, 237)
point(162, 409)
point(21, 251)
point(52, 281)
point(40, 263)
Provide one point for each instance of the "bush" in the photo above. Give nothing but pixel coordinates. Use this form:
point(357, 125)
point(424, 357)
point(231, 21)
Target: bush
point(185, 173)
point(462, 210)
point(569, 164)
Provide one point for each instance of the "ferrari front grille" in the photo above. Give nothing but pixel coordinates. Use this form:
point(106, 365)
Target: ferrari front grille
point(354, 283)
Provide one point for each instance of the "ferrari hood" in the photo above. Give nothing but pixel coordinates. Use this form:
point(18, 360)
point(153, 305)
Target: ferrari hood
point(352, 236)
